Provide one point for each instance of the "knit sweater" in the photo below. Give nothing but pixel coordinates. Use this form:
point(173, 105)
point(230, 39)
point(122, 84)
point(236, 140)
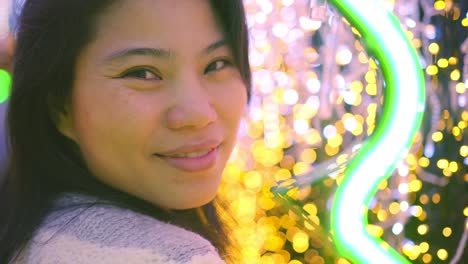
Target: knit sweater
point(104, 233)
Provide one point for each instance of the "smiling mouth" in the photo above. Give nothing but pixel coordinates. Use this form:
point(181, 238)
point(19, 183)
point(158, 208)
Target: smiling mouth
point(192, 161)
point(189, 154)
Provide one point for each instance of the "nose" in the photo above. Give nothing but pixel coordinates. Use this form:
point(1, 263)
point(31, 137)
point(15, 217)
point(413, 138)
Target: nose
point(192, 105)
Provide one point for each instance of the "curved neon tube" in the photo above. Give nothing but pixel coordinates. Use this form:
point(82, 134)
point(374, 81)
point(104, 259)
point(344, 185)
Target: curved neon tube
point(402, 115)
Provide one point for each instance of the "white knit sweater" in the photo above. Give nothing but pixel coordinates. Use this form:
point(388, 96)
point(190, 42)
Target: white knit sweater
point(109, 234)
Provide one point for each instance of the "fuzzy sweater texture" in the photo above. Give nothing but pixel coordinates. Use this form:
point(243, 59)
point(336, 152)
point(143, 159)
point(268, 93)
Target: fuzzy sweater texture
point(104, 233)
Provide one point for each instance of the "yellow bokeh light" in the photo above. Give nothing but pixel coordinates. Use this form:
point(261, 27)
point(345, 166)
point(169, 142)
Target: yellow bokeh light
point(453, 60)
point(295, 261)
point(415, 185)
point(442, 254)
point(422, 229)
point(447, 231)
point(432, 70)
point(460, 88)
point(394, 208)
point(311, 208)
point(453, 166)
point(427, 258)
point(300, 242)
point(433, 48)
point(437, 136)
point(442, 63)
point(439, 5)
point(424, 246)
point(308, 155)
point(342, 261)
point(301, 168)
point(465, 211)
point(436, 198)
point(455, 75)
point(464, 151)
point(464, 22)
point(330, 150)
point(282, 174)
point(274, 243)
point(370, 77)
point(382, 215)
point(442, 164)
point(253, 180)
point(424, 199)
point(371, 89)
point(374, 230)
point(424, 162)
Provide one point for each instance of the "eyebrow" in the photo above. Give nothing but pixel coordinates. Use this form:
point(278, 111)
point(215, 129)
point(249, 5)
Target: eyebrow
point(157, 52)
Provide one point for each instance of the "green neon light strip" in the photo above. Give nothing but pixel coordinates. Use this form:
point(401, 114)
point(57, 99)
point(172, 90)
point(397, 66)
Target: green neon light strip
point(402, 115)
point(5, 83)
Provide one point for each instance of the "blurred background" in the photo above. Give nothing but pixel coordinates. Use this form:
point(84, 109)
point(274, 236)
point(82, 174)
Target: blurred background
point(317, 96)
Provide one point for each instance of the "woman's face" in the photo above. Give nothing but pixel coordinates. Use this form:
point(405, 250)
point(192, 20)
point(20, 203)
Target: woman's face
point(156, 102)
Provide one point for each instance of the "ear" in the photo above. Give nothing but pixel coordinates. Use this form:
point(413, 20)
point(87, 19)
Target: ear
point(62, 118)
point(65, 125)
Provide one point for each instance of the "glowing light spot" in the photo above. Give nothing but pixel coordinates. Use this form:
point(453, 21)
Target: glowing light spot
point(343, 55)
point(464, 151)
point(427, 258)
point(403, 188)
point(436, 198)
point(453, 61)
point(313, 85)
point(460, 88)
point(424, 246)
point(455, 75)
point(311, 208)
point(280, 30)
point(404, 206)
point(290, 97)
point(253, 180)
point(442, 63)
point(5, 83)
point(442, 254)
point(464, 22)
point(301, 126)
point(329, 131)
point(397, 228)
point(442, 163)
point(374, 230)
point(437, 136)
point(415, 185)
point(432, 70)
point(394, 208)
point(287, 2)
point(416, 210)
point(301, 168)
point(300, 242)
point(309, 24)
point(422, 229)
point(308, 155)
point(260, 18)
point(433, 48)
point(447, 231)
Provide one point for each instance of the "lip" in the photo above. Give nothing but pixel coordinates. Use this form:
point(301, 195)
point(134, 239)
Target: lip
point(193, 164)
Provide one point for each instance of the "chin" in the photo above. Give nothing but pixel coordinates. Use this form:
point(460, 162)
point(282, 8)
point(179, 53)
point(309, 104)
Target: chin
point(194, 202)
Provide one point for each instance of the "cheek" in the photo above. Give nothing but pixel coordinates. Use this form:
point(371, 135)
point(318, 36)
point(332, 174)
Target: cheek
point(113, 120)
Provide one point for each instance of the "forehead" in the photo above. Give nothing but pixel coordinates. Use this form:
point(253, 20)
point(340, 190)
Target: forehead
point(172, 24)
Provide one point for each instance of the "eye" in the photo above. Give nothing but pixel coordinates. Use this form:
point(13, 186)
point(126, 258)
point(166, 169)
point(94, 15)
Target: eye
point(217, 65)
point(142, 74)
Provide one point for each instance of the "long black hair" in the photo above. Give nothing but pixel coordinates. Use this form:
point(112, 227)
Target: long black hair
point(42, 163)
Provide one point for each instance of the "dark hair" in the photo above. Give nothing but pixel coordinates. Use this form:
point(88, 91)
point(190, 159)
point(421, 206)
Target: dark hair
point(42, 163)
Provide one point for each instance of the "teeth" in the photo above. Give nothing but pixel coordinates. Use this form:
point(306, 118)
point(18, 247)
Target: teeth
point(191, 154)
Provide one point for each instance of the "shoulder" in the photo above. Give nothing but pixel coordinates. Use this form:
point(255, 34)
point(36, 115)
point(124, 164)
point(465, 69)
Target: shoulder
point(108, 234)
